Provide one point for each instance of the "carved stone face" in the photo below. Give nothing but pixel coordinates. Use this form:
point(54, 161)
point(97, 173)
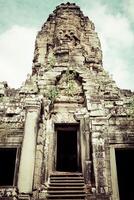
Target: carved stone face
point(67, 34)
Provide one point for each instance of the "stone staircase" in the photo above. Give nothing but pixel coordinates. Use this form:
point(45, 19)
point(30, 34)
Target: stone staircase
point(66, 186)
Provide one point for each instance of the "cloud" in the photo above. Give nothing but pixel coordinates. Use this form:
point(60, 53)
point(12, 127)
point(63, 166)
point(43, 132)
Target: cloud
point(115, 33)
point(17, 46)
point(128, 6)
point(117, 39)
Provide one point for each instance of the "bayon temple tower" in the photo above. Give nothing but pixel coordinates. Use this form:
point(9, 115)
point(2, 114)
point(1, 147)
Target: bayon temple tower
point(68, 132)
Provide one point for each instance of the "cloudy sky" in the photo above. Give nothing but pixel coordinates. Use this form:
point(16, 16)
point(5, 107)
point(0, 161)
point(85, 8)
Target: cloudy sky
point(21, 19)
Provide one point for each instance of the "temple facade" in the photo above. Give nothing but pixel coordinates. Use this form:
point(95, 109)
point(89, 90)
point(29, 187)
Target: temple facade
point(68, 131)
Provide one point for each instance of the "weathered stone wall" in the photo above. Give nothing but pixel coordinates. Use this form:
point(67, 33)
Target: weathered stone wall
point(69, 85)
point(11, 116)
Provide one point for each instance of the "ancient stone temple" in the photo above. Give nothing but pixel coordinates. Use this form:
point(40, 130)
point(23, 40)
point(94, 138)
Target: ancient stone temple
point(68, 132)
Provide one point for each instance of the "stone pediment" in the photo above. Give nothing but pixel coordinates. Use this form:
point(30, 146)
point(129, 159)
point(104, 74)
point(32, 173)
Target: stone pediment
point(69, 88)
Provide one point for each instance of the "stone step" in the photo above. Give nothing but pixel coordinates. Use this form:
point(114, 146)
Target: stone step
point(67, 180)
point(66, 196)
point(66, 174)
point(66, 188)
point(66, 192)
point(66, 184)
point(67, 177)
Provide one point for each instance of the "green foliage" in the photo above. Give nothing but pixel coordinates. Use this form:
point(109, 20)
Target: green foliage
point(70, 77)
point(51, 62)
point(1, 98)
point(53, 93)
point(70, 88)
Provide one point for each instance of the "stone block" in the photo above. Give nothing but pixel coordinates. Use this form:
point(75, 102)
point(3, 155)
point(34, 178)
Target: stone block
point(24, 197)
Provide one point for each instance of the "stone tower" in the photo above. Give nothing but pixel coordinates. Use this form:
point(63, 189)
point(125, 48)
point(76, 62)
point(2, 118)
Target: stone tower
point(67, 132)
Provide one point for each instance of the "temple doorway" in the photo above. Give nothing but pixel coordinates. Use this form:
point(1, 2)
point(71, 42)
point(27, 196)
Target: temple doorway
point(7, 166)
point(125, 173)
point(67, 154)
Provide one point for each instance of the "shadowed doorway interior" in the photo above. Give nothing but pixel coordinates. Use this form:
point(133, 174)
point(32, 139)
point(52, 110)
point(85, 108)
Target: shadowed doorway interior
point(67, 150)
point(7, 166)
point(125, 172)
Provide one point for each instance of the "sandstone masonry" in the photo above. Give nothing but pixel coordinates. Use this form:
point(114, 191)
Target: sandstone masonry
point(68, 91)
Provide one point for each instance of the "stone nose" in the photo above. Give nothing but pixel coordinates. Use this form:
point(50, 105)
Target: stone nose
point(67, 36)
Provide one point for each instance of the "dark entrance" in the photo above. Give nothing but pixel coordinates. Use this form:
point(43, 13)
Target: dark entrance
point(67, 150)
point(125, 172)
point(7, 166)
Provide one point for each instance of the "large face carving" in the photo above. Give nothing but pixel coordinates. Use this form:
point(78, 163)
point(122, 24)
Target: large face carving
point(67, 34)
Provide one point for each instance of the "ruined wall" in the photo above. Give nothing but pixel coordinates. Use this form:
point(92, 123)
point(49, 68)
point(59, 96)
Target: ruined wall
point(68, 85)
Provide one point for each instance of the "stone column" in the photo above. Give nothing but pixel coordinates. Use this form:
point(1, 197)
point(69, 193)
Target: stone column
point(83, 117)
point(27, 160)
point(85, 129)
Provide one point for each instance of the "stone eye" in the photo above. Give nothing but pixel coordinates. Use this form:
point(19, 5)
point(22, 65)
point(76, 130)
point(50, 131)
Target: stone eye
point(71, 33)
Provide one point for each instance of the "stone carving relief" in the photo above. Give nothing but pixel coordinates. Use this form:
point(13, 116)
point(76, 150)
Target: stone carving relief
point(8, 192)
point(67, 35)
point(99, 161)
point(69, 89)
point(119, 111)
point(67, 40)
